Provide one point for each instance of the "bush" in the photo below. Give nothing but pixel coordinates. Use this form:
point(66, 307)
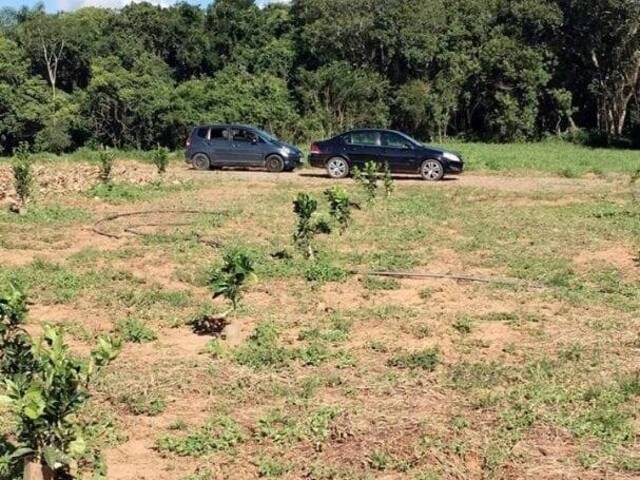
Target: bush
point(368, 180)
point(231, 279)
point(305, 206)
point(22, 174)
point(160, 158)
point(105, 158)
point(46, 393)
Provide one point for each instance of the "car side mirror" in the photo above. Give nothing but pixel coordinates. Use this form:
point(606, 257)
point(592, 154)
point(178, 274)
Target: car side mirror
point(254, 140)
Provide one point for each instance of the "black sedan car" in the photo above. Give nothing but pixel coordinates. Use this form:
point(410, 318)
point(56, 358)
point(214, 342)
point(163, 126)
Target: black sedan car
point(402, 153)
point(239, 146)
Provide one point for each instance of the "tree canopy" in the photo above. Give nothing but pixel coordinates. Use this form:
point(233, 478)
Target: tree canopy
point(495, 70)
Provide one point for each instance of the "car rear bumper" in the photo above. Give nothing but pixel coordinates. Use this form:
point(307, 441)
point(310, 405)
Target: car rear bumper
point(317, 160)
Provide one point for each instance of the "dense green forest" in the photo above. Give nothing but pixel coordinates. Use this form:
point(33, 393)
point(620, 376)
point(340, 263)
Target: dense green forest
point(490, 70)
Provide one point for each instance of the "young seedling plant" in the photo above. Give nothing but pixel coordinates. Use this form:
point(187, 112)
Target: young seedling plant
point(160, 158)
point(307, 226)
point(368, 180)
point(231, 279)
point(340, 206)
point(45, 394)
point(22, 176)
point(105, 158)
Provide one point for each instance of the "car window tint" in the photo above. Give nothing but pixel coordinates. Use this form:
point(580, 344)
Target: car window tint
point(218, 133)
point(202, 132)
point(393, 140)
point(243, 135)
point(363, 138)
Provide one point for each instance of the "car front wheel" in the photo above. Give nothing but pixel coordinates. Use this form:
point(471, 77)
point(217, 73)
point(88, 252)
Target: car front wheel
point(432, 170)
point(337, 167)
point(274, 163)
point(200, 161)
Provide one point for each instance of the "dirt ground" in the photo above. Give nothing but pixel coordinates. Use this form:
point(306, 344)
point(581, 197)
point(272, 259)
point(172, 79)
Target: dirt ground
point(512, 396)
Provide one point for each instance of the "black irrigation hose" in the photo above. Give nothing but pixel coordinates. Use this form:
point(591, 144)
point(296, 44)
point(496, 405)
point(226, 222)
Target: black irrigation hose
point(97, 227)
point(449, 276)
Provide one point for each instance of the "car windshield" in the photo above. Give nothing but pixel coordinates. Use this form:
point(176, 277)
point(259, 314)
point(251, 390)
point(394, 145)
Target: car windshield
point(266, 135)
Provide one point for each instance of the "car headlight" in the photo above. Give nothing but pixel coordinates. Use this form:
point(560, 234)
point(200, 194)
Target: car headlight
point(285, 151)
point(451, 157)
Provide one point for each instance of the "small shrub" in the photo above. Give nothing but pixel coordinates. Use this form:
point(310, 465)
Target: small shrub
point(339, 206)
point(46, 394)
point(135, 331)
point(22, 175)
point(160, 158)
point(231, 279)
point(105, 163)
point(425, 359)
point(368, 180)
point(305, 206)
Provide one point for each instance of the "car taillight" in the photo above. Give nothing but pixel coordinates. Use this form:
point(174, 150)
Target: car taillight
point(188, 142)
point(315, 148)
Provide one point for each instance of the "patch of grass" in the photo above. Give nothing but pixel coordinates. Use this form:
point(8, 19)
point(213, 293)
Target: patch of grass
point(263, 350)
point(219, 434)
point(48, 215)
point(463, 325)
point(322, 271)
point(269, 467)
point(118, 193)
point(379, 283)
point(336, 332)
point(135, 331)
point(427, 359)
point(48, 282)
point(548, 157)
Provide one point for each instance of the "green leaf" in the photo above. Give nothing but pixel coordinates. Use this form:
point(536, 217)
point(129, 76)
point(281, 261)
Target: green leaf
point(33, 403)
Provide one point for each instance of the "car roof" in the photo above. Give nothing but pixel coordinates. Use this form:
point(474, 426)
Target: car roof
point(226, 125)
point(377, 130)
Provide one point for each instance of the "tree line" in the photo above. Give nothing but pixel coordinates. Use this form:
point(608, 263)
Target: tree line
point(491, 70)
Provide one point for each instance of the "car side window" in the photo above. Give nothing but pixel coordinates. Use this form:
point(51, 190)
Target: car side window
point(202, 132)
point(393, 140)
point(218, 133)
point(243, 135)
point(368, 139)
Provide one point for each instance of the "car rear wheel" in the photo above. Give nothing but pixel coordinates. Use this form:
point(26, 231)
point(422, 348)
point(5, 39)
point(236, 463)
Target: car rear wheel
point(274, 164)
point(337, 167)
point(201, 161)
point(432, 170)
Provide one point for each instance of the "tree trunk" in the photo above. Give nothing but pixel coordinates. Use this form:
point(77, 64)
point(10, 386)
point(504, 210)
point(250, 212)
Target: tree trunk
point(34, 470)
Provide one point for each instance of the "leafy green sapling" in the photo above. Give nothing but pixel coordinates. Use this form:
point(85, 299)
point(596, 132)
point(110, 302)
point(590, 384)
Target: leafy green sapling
point(160, 158)
point(105, 158)
point(307, 227)
point(340, 206)
point(368, 180)
point(46, 394)
point(22, 176)
point(231, 279)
